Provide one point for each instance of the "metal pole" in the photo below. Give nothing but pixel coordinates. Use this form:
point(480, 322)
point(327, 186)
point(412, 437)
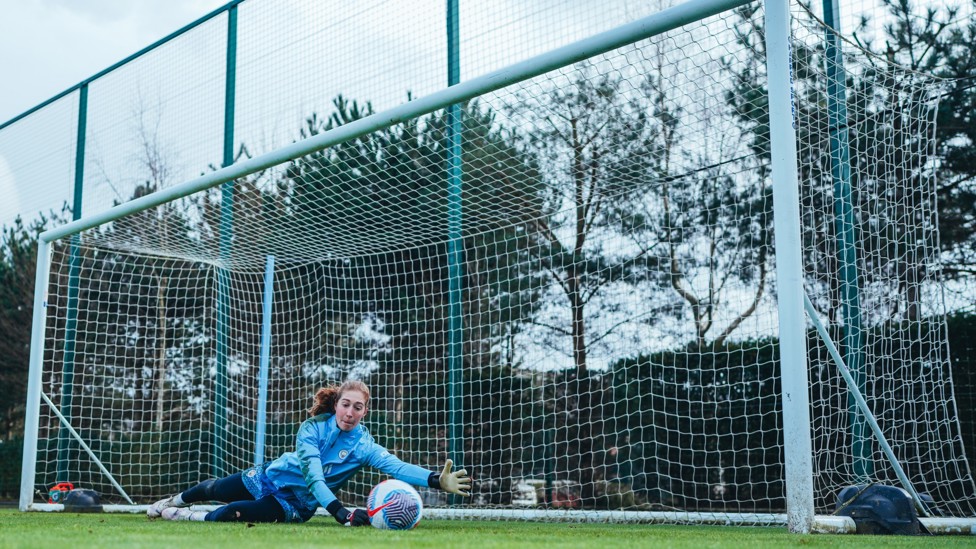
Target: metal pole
point(455, 246)
point(226, 237)
point(862, 405)
point(65, 425)
point(265, 359)
point(32, 412)
point(840, 169)
point(789, 270)
point(71, 309)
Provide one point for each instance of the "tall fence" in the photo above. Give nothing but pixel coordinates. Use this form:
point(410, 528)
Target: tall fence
point(243, 79)
point(173, 110)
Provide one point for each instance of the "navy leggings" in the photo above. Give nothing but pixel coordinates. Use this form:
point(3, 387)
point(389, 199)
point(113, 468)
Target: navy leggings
point(241, 505)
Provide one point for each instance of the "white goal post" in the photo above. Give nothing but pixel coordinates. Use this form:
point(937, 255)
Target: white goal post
point(603, 321)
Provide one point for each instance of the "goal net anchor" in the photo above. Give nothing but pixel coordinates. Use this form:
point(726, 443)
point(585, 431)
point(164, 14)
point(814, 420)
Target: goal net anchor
point(81, 442)
point(865, 409)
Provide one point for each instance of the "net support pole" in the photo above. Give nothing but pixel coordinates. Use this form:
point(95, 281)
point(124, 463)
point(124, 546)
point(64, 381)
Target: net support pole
point(265, 358)
point(862, 405)
point(71, 308)
point(226, 239)
point(789, 270)
point(840, 169)
point(455, 246)
point(65, 425)
point(32, 414)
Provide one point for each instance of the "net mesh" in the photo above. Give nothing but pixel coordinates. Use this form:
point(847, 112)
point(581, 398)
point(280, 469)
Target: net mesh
point(872, 268)
point(616, 304)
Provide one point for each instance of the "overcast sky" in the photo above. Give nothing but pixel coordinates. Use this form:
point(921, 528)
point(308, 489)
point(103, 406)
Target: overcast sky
point(47, 46)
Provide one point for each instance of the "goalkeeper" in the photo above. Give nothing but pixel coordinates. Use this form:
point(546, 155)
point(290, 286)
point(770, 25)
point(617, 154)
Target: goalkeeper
point(332, 446)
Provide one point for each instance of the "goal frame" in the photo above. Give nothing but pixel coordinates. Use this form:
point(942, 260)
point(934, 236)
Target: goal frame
point(800, 516)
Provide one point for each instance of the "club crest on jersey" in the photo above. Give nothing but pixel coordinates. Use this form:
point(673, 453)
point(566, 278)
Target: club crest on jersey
point(343, 454)
point(252, 473)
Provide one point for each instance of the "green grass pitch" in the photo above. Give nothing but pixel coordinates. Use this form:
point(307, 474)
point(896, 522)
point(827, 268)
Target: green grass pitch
point(48, 530)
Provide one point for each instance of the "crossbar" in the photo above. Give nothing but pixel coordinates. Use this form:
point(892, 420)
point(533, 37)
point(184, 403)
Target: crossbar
point(629, 33)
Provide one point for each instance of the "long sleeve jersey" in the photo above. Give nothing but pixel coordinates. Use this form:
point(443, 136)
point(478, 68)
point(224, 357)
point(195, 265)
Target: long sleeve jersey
point(326, 457)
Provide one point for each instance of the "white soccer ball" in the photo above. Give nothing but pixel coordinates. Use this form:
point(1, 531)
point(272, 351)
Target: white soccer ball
point(394, 505)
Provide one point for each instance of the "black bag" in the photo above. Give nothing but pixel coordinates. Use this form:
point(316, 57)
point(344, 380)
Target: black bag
point(879, 509)
point(82, 500)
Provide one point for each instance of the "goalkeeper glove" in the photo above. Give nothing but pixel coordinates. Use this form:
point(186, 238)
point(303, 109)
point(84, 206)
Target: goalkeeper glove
point(457, 482)
point(356, 517)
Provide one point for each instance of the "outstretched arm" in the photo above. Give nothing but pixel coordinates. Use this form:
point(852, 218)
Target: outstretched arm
point(455, 482)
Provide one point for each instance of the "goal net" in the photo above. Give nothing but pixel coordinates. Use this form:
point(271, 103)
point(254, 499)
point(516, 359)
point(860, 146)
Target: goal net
point(566, 284)
point(872, 269)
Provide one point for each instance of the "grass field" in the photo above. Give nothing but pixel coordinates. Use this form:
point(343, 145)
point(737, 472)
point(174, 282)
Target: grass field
point(47, 530)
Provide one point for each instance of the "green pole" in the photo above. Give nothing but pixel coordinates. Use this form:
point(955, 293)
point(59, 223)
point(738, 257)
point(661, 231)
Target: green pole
point(71, 312)
point(226, 237)
point(840, 167)
point(454, 246)
point(549, 444)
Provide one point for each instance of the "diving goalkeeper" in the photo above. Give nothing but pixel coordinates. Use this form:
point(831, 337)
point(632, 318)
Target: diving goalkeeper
point(331, 447)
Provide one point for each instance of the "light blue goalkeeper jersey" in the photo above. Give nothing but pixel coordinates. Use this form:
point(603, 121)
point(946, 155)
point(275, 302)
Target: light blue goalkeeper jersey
point(326, 457)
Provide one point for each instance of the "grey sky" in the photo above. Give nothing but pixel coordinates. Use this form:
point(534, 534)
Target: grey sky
point(50, 45)
point(293, 58)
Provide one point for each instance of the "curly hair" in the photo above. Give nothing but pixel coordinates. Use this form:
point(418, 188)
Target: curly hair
point(325, 398)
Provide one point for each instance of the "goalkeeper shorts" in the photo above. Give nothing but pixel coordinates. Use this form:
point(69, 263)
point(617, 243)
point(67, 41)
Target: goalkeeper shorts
point(259, 485)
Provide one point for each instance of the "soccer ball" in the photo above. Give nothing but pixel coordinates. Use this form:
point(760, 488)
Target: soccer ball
point(394, 505)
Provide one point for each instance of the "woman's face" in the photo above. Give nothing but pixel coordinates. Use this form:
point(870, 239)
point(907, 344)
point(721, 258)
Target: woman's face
point(350, 409)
